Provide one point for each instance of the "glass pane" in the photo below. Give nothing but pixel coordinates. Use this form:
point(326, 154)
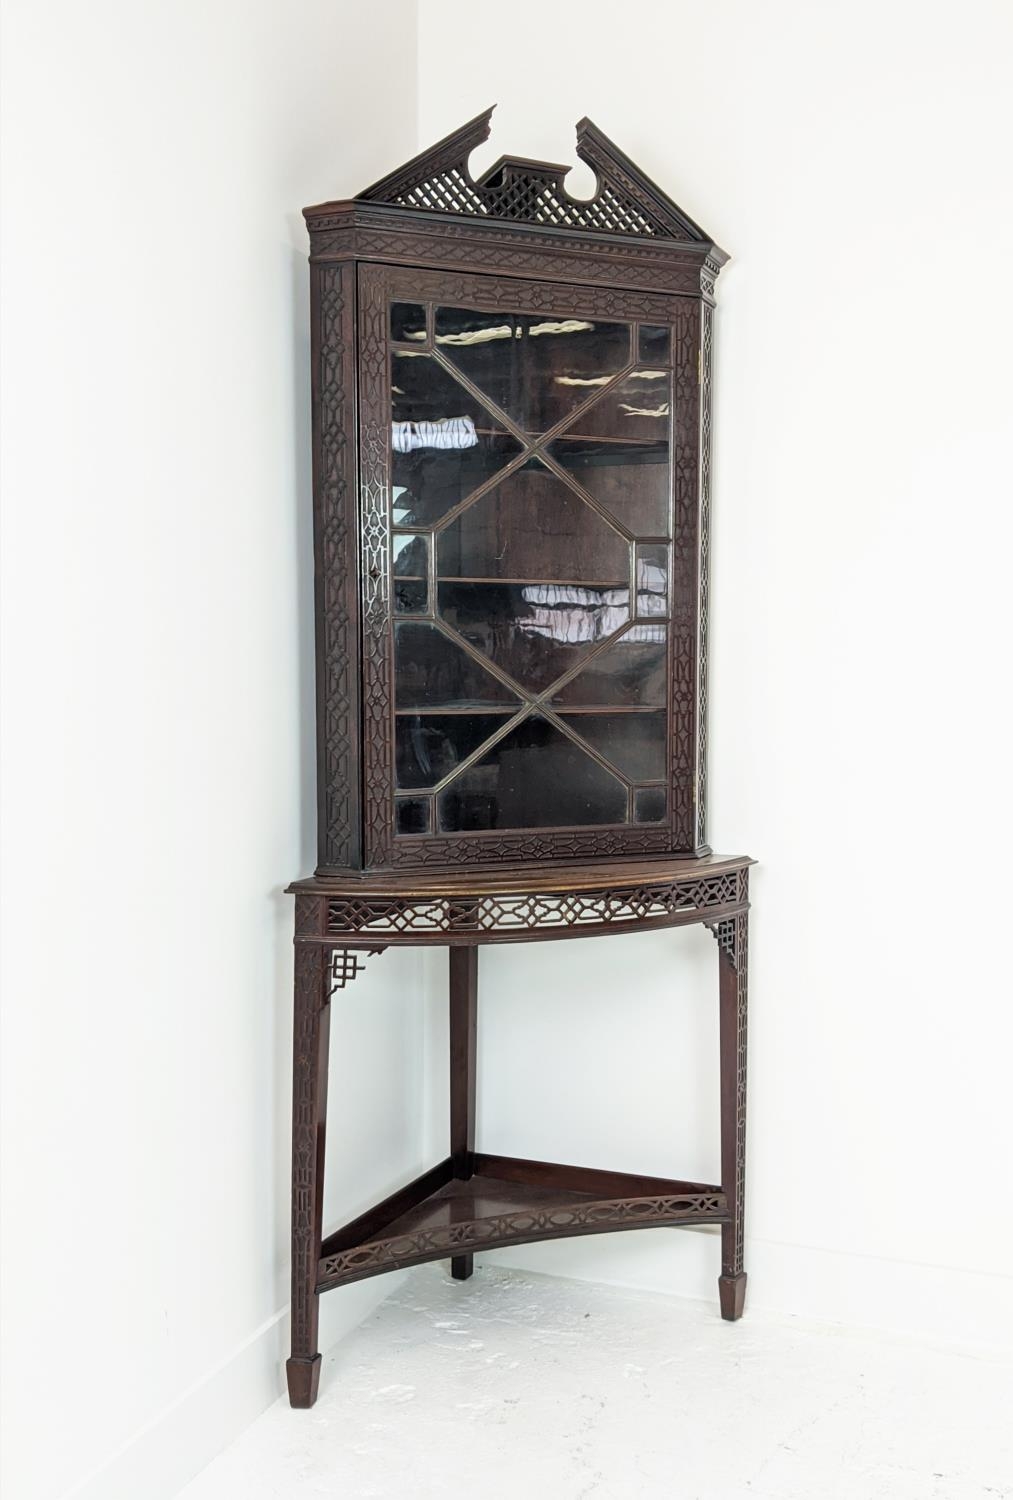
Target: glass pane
point(429, 746)
point(655, 345)
point(444, 444)
point(535, 368)
point(619, 451)
point(410, 556)
point(631, 672)
point(407, 322)
point(412, 814)
point(537, 591)
point(430, 671)
point(423, 391)
point(652, 582)
point(649, 804)
point(534, 632)
point(411, 597)
point(535, 777)
point(530, 527)
point(633, 742)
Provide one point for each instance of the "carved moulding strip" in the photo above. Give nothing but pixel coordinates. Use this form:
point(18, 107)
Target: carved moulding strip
point(685, 532)
point(520, 1227)
point(703, 585)
point(592, 843)
point(549, 297)
point(377, 664)
point(741, 1013)
point(732, 934)
point(335, 528)
point(530, 253)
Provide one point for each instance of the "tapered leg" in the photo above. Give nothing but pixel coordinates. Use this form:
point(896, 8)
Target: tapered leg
point(463, 1056)
point(732, 936)
point(309, 1115)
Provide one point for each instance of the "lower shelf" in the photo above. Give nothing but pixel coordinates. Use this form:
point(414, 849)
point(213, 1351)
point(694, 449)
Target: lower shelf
point(506, 1201)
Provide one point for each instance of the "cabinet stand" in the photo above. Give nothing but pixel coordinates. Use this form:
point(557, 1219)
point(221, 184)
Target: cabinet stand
point(474, 1200)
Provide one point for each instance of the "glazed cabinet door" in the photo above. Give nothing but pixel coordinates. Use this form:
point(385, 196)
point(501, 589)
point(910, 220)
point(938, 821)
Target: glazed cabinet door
point(530, 571)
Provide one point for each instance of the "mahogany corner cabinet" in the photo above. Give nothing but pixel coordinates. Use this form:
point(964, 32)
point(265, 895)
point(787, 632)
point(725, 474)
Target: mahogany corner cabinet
point(511, 455)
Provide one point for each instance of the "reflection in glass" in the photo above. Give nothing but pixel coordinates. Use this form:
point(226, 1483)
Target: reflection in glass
point(633, 742)
point(410, 556)
point(410, 596)
point(536, 369)
point(649, 804)
point(411, 814)
point(424, 395)
point(534, 632)
point(655, 345)
point(636, 411)
point(534, 777)
point(428, 747)
point(407, 322)
point(444, 444)
point(619, 451)
point(532, 526)
point(532, 580)
point(431, 671)
point(652, 582)
point(629, 673)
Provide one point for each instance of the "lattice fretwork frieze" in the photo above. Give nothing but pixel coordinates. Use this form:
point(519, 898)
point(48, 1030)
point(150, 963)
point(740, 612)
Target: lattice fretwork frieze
point(492, 915)
point(532, 1224)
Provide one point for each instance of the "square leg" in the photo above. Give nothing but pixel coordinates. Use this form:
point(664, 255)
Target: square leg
point(463, 1061)
point(732, 936)
point(318, 971)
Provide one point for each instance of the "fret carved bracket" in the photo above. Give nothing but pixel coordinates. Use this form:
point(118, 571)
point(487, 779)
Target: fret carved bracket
point(347, 964)
point(731, 933)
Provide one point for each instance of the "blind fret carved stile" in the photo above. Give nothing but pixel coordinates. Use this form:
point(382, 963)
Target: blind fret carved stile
point(512, 396)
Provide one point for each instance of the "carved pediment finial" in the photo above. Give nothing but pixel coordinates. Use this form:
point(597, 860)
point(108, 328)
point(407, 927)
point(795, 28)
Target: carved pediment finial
point(626, 201)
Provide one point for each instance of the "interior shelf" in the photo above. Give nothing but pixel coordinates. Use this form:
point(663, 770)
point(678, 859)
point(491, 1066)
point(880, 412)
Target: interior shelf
point(506, 1201)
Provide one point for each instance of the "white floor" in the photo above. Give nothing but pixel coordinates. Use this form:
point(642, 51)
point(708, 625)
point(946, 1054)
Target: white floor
point(532, 1386)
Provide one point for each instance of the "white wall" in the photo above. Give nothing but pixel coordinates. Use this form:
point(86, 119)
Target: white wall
point(854, 161)
point(158, 680)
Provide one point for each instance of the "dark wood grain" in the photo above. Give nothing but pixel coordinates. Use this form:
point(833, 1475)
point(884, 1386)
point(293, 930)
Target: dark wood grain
point(463, 1066)
point(602, 1184)
point(732, 937)
point(309, 1128)
point(376, 1219)
point(488, 1212)
point(569, 875)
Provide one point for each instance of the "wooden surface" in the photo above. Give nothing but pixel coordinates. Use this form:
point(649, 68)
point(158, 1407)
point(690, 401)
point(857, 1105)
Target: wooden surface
point(511, 1201)
point(560, 875)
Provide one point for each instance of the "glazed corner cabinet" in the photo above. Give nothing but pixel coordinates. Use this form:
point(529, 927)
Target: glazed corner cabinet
point(511, 450)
